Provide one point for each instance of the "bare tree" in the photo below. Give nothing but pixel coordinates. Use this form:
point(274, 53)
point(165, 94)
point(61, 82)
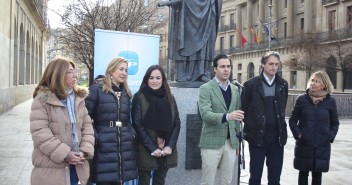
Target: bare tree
point(341, 51)
point(82, 17)
point(311, 58)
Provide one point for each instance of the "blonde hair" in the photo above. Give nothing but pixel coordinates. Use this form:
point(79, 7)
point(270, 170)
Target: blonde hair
point(54, 78)
point(110, 69)
point(325, 80)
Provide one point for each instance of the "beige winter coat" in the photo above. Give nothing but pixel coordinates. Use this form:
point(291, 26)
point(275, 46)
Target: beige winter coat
point(51, 133)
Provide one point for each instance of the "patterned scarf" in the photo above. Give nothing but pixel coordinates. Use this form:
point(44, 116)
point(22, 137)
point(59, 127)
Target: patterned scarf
point(317, 96)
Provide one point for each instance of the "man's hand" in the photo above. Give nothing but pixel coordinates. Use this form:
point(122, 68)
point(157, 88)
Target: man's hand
point(236, 115)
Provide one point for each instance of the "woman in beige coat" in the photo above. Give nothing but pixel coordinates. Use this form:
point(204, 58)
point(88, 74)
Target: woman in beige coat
point(61, 129)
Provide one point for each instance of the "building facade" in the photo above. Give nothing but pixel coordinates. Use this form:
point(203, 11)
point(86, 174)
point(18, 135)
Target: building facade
point(305, 33)
point(22, 52)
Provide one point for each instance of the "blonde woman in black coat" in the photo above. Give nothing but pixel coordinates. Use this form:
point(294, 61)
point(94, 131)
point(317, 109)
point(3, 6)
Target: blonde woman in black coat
point(314, 124)
point(108, 105)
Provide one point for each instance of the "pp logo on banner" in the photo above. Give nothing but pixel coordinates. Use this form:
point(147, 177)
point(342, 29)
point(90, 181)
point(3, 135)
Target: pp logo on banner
point(132, 59)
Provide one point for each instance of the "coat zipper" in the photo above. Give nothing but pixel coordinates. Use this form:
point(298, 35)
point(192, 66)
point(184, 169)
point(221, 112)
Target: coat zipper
point(118, 133)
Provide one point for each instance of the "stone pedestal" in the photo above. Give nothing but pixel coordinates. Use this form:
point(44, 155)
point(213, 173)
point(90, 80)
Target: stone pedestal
point(193, 130)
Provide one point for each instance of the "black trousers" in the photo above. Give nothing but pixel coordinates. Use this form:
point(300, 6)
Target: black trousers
point(274, 155)
point(303, 178)
point(159, 174)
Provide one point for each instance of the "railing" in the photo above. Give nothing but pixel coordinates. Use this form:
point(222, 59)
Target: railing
point(340, 35)
point(326, 2)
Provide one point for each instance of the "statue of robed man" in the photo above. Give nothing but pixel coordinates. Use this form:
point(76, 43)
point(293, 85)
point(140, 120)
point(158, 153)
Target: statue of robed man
point(192, 36)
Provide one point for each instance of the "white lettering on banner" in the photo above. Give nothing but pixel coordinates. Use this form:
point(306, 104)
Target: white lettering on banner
point(136, 83)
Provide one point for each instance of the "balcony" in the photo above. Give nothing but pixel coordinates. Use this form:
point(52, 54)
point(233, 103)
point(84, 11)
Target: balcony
point(329, 2)
point(339, 35)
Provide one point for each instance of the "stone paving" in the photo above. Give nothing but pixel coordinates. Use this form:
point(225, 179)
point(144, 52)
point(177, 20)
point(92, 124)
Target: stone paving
point(16, 149)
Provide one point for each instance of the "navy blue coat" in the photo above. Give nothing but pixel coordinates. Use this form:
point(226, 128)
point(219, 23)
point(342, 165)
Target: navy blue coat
point(115, 148)
point(318, 126)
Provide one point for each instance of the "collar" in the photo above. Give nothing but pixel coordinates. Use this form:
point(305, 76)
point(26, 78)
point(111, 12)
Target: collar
point(223, 87)
point(267, 79)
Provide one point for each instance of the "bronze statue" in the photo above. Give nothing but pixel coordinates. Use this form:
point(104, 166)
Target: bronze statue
point(192, 36)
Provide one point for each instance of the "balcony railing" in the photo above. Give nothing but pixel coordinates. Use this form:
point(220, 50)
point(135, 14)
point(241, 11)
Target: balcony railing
point(326, 2)
point(336, 35)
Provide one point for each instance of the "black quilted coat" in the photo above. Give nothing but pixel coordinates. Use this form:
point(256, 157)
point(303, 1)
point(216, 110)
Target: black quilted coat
point(115, 147)
point(318, 126)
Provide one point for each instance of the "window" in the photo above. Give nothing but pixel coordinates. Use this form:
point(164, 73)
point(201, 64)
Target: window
point(349, 15)
point(302, 24)
point(221, 44)
point(285, 29)
point(250, 70)
point(332, 20)
point(222, 23)
point(239, 67)
point(293, 79)
point(302, 1)
point(232, 21)
point(239, 77)
point(285, 1)
point(232, 38)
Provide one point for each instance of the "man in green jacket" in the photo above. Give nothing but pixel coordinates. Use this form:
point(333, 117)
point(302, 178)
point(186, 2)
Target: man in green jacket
point(219, 104)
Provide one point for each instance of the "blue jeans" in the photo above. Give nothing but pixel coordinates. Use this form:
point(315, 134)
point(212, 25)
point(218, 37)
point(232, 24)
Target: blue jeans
point(73, 175)
point(274, 155)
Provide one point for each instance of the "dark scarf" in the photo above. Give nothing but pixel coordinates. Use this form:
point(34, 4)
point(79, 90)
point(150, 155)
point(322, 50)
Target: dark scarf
point(317, 96)
point(158, 116)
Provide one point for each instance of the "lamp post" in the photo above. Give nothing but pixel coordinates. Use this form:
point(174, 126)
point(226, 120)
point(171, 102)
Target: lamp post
point(269, 25)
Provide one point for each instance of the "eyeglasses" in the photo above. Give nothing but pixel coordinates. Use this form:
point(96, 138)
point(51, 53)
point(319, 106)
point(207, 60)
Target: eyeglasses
point(71, 71)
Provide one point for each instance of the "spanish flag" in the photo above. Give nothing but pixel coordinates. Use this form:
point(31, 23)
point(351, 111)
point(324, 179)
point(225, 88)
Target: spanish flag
point(243, 40)
point(256, 38)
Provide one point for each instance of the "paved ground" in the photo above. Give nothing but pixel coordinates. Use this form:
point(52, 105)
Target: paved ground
point(16, 150)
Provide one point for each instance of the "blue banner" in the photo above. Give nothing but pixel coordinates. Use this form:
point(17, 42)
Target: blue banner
point(140, 50)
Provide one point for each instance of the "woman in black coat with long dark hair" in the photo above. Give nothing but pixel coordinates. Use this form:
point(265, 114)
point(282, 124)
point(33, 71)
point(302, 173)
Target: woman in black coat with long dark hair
point(156, 120)
point(314, 124)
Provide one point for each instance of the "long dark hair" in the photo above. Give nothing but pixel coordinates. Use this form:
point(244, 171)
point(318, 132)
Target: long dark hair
point(164, 84)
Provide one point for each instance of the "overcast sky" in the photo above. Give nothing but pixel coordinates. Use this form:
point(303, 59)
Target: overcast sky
point(54, 19)
point(58, 6)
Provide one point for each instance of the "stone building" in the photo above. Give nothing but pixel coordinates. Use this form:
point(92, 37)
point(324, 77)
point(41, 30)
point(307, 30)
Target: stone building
point(300, 29)
point(22, 49)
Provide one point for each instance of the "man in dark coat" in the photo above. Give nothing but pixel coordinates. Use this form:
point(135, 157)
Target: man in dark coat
point(264, 101)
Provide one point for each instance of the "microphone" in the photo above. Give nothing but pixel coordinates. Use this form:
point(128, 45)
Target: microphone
point(235, 82)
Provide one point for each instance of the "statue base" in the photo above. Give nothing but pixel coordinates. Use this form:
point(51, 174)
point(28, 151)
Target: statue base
point(195, 84)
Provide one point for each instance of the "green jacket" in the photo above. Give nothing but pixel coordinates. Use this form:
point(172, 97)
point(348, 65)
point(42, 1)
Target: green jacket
point(146, 142)
point(212, 107)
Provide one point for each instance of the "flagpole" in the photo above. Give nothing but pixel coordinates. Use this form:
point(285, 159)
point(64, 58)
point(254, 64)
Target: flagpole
point(270, 7)
point(269, 25)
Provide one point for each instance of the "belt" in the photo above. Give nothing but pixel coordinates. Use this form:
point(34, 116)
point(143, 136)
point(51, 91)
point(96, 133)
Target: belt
point(112, 124)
